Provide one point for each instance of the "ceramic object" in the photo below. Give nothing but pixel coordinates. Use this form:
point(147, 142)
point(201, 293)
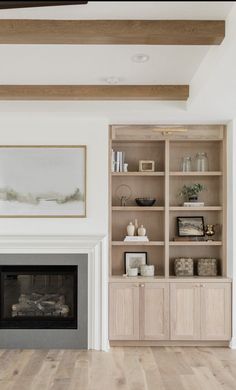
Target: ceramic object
point(147, 270)
point(145, 201)
point(125, 167)
point(136, 227)
point(130, 229)
point(132, 272)
point(141, 231)
point(210, 230)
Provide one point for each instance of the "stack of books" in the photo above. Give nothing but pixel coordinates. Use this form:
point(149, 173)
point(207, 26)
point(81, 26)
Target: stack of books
point(117, 163)
point(193, 204)
point(136, 239)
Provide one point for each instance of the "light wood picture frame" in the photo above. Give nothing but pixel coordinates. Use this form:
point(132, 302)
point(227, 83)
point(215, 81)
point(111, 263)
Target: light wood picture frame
point(43, 181)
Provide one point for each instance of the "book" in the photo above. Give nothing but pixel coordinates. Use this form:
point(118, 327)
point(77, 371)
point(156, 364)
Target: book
point(118, 159)
point(136, 239)
point(193, 204)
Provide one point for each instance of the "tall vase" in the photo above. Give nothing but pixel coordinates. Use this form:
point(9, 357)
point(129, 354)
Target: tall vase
point(130, 229)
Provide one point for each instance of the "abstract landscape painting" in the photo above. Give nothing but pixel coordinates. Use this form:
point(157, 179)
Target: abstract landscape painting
point(43, 181)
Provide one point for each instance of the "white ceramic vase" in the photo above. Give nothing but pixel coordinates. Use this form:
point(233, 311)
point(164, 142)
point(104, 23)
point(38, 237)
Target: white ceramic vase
point(130, 229)
point(141, 231)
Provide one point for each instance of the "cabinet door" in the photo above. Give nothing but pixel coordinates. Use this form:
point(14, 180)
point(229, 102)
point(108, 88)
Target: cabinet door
point(216, 311)
point(124, 311)
point(154, 311)
point(185, 311)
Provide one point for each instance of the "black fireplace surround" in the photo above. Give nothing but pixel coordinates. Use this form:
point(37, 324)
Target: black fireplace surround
point(38, 297)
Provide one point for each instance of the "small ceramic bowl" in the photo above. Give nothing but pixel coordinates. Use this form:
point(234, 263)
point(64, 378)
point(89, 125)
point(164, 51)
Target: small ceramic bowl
point(132, 272)
point(145, 202)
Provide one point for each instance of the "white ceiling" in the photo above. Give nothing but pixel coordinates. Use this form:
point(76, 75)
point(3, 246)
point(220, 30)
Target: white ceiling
point(210, 70)
point(82, 64)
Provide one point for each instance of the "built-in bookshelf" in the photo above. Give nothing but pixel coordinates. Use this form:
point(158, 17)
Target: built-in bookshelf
point(167, 148)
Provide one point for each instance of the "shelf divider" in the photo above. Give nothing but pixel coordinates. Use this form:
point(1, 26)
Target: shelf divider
point(137, 208)
point(195, 243)
point(204, 208)
point(192, 173)
point(139, 243)
point(138, 174)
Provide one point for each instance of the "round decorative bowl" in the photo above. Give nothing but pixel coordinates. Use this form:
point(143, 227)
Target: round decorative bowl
point(145, 202)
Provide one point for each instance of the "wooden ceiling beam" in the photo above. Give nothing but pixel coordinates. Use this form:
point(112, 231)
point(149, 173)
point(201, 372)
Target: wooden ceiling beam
point(112, 32)
point(94, 92)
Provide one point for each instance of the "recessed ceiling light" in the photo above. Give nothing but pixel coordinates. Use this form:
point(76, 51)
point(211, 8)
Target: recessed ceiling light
point(112, 80)
point(140, 58)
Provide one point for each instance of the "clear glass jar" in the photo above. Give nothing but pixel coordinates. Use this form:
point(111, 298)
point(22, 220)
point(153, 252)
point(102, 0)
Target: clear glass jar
point(202, 164)
point(186, 164)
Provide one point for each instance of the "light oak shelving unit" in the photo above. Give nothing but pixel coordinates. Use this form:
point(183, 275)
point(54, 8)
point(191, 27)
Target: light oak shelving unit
point(140, 143)
point(164, 292)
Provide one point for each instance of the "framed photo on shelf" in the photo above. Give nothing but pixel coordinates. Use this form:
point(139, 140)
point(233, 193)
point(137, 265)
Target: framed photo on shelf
point(135, 260)
point(190, 227)
point(43, 181)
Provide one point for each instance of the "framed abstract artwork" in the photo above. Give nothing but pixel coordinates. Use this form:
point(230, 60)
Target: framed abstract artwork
point(43, 181)
point(190, 226)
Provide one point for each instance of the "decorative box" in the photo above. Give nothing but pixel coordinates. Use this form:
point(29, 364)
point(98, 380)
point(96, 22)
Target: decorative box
point(184, 266)
point(147, 270)
point(207, 267)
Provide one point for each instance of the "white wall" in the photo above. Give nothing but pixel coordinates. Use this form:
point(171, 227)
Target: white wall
point(62, 129)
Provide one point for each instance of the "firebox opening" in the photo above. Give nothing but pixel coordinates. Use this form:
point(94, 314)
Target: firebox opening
point(38, 297)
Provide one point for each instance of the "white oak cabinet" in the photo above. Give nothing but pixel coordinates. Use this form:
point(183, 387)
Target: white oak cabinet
point(139, 311)
point(154, 311)
point(200, 311)
point(185, 311)
point(124, 311)
point(215, 311)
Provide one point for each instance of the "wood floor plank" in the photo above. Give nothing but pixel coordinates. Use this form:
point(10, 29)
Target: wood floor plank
point(191, 382)
point(206, 378)
point(167, 365)
point(81, 371)
point(128, 368)
point(224, 377)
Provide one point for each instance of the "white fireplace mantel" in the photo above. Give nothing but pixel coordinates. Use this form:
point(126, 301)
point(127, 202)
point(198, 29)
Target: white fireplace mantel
point(96, 249)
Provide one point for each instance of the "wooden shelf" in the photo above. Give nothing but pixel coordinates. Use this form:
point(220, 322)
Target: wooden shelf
point(137, 208)
point(139, 243)
point(209, 173)
point(195, 243)
point(174, 279)
point(204, 208)
point(138, 174)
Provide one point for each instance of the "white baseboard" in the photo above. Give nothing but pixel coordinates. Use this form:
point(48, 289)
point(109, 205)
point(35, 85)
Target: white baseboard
point(232, 343)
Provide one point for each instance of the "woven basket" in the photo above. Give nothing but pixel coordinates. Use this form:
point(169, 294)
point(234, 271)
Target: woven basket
point(207, 267)
point(183, 266)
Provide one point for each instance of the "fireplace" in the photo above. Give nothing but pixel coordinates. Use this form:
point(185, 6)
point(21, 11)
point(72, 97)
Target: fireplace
point(38, 297)
point(86, 254)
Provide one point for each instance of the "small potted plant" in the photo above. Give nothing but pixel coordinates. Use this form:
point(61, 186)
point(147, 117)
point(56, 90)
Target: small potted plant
point(190, 193)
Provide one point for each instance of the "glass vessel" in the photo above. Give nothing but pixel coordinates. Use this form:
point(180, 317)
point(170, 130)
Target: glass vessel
point(186, 165)
point(202, 164)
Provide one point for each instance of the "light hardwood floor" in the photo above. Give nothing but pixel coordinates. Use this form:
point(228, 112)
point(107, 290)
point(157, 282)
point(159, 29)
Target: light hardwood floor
point(157, 368)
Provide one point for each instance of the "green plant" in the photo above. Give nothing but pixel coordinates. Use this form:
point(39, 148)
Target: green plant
point(192, 190)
